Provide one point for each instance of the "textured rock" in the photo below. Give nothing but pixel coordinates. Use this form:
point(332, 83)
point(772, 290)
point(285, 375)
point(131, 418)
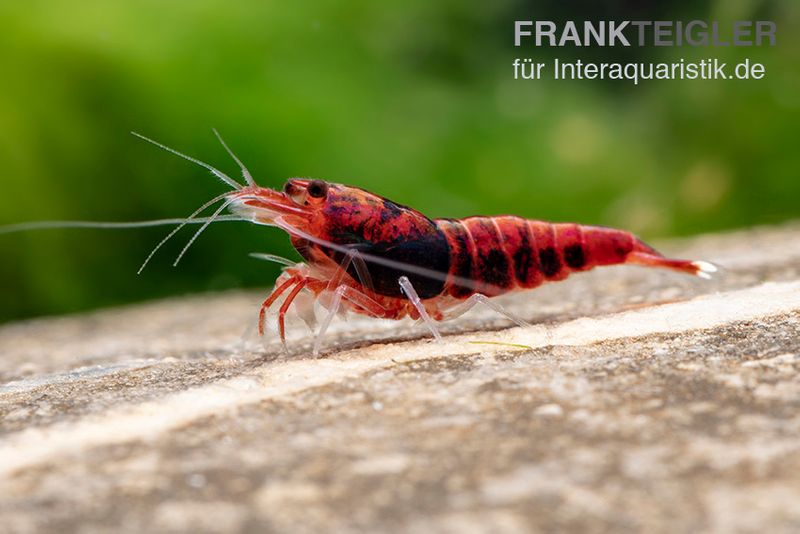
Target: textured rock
point(640, 400)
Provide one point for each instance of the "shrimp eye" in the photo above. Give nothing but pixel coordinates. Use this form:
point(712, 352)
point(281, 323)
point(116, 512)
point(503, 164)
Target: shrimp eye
point(317, 189)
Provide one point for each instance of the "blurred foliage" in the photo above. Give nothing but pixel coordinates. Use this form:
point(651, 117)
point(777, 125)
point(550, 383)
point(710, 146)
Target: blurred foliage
point(411, 99)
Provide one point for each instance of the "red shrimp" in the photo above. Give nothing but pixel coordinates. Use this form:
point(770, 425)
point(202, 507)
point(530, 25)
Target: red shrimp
point(366, 254)
point(374, 257)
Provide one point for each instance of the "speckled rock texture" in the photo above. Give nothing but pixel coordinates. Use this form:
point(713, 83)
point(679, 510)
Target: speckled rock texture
point(640, 400)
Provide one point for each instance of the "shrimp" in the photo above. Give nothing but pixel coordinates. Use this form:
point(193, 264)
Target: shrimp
point(365, 254)
point(371, 256)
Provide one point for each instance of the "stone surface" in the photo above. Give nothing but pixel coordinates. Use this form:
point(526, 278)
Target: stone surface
point(639, 400)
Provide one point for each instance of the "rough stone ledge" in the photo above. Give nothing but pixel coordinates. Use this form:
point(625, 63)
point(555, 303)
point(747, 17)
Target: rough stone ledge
point(640, 400)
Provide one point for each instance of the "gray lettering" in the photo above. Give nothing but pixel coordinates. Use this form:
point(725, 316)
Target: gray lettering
point(715, 35)
point(741, 29)
point(570, 33)
point(519, 33)
point(702, 35)
point(662, 29)
point(598, 34)
point(615, 33)
point(541, 32)
point(640, 26)
point(765, 28)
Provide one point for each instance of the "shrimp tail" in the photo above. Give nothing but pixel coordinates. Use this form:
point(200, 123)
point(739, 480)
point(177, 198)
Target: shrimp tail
point(608, 246)
point(651, 258)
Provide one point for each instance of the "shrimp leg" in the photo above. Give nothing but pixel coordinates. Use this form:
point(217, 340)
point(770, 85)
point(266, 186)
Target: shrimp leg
point(356, 297)
point(478, 298)
point(354, 257)
point(285, 307)
point(270, 300)
point(411, 293)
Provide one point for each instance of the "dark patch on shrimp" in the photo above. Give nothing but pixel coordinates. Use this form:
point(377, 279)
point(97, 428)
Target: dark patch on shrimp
point(550, 264)
point(523, 258)
point(494, 268)
point(390, 211)
point(462, 256)
point(574, 256)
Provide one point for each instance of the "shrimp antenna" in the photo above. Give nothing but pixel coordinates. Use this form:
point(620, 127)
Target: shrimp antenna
point(47, 225)
point(216, 172)
point(184, 223)
point(202, 228)
point(247, 176)
point(273, 257)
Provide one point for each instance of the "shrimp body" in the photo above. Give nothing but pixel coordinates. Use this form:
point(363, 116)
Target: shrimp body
point(369, 255)
point(366, 254)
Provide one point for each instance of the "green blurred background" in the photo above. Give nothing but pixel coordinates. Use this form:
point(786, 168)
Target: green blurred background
point(411, 99)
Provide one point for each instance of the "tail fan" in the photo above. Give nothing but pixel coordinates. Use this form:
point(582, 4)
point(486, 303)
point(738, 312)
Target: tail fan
point(703, 269)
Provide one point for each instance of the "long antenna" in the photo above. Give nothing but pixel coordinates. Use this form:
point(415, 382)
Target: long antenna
point(202, 228)
point(101, 225)
point(273, 257)
point(247, 176)
point(182, 224)
point(216, 172)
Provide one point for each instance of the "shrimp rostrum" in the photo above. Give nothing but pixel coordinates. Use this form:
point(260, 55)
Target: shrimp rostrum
point(368, 255)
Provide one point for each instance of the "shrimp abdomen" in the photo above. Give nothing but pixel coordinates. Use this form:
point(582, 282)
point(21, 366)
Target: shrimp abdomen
point(495, 255)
